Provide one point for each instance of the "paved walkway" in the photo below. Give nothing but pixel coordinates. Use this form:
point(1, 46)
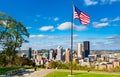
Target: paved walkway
point(40, 73)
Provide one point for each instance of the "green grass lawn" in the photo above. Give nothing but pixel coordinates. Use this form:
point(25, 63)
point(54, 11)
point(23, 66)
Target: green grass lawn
point(65, 74)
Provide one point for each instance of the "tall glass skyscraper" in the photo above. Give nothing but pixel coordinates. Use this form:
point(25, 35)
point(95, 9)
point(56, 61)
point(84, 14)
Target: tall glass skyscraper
point(51, 53)
point(30, 53)
point(86, 48)
point(59, 53)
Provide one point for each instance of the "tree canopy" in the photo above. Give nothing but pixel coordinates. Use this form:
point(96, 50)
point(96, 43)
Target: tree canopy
point(12, 35)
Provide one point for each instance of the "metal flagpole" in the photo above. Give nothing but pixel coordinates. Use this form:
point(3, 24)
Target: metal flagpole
point(84, 18)
point(71, 54)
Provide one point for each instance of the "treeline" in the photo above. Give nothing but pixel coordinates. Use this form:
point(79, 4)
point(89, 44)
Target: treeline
point(61, 65)
point(13, 61)
point(76, 66)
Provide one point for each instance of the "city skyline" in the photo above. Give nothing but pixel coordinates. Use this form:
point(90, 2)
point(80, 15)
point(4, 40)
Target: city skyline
point(49, 22)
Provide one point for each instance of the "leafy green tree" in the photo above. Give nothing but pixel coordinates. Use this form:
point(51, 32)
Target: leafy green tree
point(12, 35)
point(53, 64)
point(3, 60)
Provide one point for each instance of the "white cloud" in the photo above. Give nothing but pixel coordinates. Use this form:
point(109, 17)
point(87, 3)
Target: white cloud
point(90, 2)
point(37, 36)
point(29, 27)
point(67, 26)
point(104, 20)
point(64, 26)
point(41, 36)
point(116, 19)
point(46, 28)
point(80, 28)
point(110, 20)
point(75, 36)
point(101, 2)
point(111, 1)
point(113, 37)
point(56, 19)
point(100, 25)
point(52, 37)
point(104, 2)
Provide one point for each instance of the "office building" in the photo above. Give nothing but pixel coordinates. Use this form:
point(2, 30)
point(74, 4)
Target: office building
point(35, 53)
point(51, 52)
point(86, 48)
point(30, 53)
point(54, 53)
point(59, 53)
point(79, 50)
point(92, 58)
point(67, 55)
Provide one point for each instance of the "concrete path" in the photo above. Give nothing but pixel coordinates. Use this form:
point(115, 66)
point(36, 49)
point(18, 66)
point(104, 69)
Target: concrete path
point(41, 73)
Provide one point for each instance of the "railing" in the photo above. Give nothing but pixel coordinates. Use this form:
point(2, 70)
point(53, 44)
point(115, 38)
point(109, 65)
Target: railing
point(14, 72)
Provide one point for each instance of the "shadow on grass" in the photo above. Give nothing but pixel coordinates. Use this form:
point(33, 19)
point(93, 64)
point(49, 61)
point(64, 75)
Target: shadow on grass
point(78, 73)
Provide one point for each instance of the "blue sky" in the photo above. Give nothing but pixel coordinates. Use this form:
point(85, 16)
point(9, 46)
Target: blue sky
point(49, 22)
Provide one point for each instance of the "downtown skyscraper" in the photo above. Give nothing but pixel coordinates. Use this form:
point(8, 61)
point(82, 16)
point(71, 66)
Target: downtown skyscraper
point(79, 50)
point(67, 55)
point(59, 53)
point(29, 53)
point(86, 48)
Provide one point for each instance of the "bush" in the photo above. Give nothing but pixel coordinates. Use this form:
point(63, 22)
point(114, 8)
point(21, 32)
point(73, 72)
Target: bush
point(60, 65)
point(4, 70)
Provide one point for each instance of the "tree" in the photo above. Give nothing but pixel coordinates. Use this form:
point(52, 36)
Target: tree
point(12, 35)
point(3, 60)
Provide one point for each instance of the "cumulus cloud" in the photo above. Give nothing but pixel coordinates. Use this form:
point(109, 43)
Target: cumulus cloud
point(46, 28)
point(80, 28)
point(90, 2)
point(110, 20)
point(67, 26)
point(100, 25)
point(113, 37)
point(76, 36)
point(95, 2)
point(116, 19)
point(56, 19)
point(43, 36)
point(105, 22)
point(64, 26)
point(104, 19)
point(37, 36)
point(111, 1)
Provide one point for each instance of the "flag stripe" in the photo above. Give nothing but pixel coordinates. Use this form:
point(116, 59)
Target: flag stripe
point(76, 15)
point(84, 18)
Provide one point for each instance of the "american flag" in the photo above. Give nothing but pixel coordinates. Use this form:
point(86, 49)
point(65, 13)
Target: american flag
point(84, 18)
